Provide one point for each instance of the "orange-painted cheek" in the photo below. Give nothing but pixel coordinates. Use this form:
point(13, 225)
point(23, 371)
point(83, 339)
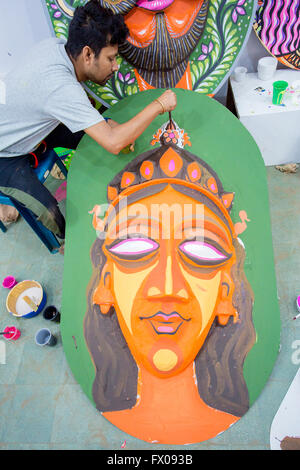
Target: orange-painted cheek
point(181, 14)
point(127, 288)
point(207, 294)
point(141, 25)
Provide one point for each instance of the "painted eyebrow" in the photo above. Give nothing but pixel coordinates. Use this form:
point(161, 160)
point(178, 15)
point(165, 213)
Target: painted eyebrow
point(214, 225)
point(124, 223)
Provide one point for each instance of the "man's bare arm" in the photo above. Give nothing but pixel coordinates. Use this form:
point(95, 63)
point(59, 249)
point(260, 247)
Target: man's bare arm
point(116, 137)
point(112, 123)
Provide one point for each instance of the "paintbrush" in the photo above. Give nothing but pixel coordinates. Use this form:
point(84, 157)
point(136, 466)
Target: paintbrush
point(7, 332)
point(171, 123)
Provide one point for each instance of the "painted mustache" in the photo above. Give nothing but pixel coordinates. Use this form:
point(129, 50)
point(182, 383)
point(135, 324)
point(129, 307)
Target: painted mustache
point(166, 323)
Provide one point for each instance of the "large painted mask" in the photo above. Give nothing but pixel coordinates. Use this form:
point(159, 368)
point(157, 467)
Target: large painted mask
point(169, 280)
point(177, 289)
point(189, 44)
point(163, 35)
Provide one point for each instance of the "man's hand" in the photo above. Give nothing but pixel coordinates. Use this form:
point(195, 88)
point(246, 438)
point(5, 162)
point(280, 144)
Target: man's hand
point(168, 101)
point(128, 148)
point(114, 137)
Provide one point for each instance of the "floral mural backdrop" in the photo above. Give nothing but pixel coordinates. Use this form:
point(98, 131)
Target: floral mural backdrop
point(225, 31)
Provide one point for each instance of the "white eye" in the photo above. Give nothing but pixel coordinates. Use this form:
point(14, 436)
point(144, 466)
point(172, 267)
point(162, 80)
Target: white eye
point(202, 251)
point(134, 246)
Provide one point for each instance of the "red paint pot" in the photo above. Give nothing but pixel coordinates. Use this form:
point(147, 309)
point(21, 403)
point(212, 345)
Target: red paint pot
point(12, 333)
point(9, 282)
point(298, 303)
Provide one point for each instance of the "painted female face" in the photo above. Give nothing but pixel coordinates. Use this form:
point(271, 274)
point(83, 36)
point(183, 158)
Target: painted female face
point(167, 256)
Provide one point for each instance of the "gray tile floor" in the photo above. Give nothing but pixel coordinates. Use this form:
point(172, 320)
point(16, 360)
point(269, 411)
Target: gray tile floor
point(42, 406)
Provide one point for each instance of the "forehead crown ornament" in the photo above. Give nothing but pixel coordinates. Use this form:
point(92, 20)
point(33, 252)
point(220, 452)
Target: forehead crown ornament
point(170, 161)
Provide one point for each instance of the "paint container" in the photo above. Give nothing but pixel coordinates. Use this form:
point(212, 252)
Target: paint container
point(51, 313)
point(9, 282)
point(44, 337)
point(266, 68)
point(12, 333)
point(279, 89)
point(26, 300)
point(298, 303)
point(240, 74)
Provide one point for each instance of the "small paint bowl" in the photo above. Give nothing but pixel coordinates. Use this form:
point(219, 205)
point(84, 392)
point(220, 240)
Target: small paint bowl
point(298, 303)
point(9, 282)
point(240, 74)
point(266, 67)
point(26, 300)
point(12, 333)
point(51, 313)
point(44, 337)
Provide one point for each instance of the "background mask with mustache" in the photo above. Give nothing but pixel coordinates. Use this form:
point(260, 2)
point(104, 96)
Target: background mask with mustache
point(163, 61)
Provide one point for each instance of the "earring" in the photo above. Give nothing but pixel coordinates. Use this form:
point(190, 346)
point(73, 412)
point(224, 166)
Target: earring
point(102, 295)
point(225, 309)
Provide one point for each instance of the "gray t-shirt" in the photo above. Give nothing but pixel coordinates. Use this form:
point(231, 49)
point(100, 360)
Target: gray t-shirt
point(41, 93)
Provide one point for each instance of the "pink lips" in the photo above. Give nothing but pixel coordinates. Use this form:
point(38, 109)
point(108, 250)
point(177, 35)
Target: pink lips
point(166, 324)
point(165, 329)
point(168, 318)
point(154, 5)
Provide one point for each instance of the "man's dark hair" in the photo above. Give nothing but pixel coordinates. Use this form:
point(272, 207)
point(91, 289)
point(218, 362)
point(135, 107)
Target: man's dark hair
point(96, 27)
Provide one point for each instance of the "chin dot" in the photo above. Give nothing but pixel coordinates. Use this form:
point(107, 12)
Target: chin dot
point(165, 360)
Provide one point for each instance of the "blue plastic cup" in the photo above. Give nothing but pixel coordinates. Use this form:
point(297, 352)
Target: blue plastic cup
point(44, 337)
